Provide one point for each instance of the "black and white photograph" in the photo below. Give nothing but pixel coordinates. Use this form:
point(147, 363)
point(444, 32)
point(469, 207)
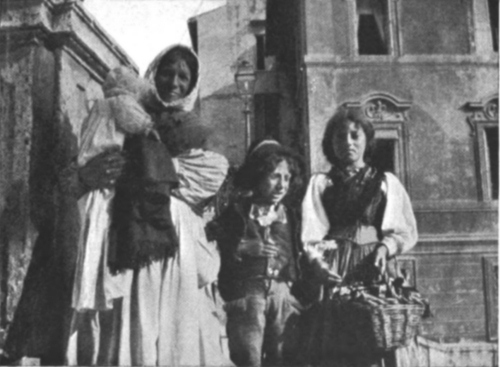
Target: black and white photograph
point(226, 183)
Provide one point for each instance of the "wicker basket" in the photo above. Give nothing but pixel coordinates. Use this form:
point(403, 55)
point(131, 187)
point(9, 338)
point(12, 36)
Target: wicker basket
point(358, 325)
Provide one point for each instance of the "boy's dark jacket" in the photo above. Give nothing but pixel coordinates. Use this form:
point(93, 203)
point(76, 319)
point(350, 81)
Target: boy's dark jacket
point(230, 228)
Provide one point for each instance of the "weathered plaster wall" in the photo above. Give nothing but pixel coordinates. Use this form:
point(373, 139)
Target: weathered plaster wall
point(79, 90)
point(435, 27)
point(422, 27)
point(451, 275)
point(15, 143)
point(225, 35)
point(322, 35)
point(440, 142)
point(52, 61)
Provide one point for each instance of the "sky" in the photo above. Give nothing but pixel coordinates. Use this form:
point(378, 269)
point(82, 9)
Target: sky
point(145, 27)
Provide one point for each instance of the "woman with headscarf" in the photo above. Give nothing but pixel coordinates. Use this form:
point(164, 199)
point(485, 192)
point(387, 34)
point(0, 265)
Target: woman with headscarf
point(168, 319)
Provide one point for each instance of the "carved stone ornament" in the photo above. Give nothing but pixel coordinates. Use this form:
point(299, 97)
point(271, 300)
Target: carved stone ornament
point(491, 110)
point(482, 111)
point(382, 108)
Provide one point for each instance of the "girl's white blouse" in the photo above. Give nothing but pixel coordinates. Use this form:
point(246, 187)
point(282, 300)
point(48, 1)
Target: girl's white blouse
point(399, 227)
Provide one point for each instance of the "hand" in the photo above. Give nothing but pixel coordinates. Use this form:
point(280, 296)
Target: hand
point(380, 261)
point(270, 249)
point(324, 274)
point(103, 170)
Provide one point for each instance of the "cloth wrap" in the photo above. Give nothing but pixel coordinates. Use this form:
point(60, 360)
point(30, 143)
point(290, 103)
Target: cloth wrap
point(141, 227)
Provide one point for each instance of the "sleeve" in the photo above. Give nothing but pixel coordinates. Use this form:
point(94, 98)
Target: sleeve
point(200, 173)
point(315, 224)
point(399, 227)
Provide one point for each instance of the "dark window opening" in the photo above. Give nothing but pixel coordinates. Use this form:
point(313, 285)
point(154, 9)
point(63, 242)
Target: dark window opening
point(383, 157)
point(493, 8)
point(373, 34)
point(267, 116)
point(492, 152)
point(261, 52)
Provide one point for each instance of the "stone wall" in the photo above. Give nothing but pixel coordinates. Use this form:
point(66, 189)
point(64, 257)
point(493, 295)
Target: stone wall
point(53, 58)
point(225, 36)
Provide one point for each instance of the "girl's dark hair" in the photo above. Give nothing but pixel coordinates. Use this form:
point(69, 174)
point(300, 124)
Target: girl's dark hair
point(181, 53)
point(340, 120)
point(261, 162)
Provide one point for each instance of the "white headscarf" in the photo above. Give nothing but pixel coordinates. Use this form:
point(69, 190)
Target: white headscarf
point(186, 103)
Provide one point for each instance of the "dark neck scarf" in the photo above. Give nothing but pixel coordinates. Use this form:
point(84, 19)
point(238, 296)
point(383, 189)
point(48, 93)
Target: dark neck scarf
point(353, 200)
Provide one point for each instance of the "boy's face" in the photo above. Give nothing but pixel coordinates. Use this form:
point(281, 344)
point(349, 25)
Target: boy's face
point(172, 80)
point(274, 186)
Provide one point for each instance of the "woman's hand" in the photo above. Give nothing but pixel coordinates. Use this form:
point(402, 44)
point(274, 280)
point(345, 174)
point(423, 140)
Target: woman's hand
point(103, 170)
point(380, 261)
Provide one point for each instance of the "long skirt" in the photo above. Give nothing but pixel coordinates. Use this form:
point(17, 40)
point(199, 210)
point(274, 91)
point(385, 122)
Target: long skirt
point(170, 318)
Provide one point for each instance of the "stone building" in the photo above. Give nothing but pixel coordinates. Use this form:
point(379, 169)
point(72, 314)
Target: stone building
point(426, 74)
point(222, 38)
point(53, 58)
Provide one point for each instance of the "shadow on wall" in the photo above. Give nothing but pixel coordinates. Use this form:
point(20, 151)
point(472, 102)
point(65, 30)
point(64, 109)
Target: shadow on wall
point(437, 159)
point(223, 113)
point(16, 233)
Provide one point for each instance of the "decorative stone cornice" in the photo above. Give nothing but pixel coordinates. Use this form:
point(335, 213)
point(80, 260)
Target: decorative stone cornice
point(485, 110)
point(63, 24)
point(382, 107)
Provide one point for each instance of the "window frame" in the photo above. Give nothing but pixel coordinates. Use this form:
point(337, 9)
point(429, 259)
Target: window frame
point(482, 115)
point(393, 47)
point(484, 160)
point(493, 30)
point(490, 283)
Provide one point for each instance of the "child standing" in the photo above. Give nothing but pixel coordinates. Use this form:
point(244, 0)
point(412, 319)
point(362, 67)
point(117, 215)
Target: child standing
point(257, 236)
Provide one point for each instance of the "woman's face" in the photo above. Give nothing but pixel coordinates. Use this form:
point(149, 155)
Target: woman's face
point(349, 145)
point(172, 80)
point(274, 186)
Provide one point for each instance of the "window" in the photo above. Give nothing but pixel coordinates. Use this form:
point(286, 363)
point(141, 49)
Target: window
point(267, 115)
point(389, 154)
point(493, 8)
point(385, 154)
point(483, 119)
point(260, 63)
point(373, 27)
